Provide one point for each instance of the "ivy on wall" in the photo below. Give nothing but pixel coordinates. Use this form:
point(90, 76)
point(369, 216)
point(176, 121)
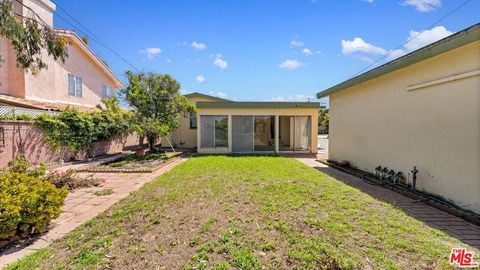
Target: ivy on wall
point(80, 130)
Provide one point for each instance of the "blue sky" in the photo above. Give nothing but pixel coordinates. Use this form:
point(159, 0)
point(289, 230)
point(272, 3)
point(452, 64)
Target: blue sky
point(261, 50)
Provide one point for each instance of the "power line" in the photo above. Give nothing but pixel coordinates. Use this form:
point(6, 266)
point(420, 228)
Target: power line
point(414, 37)
point(93, 36)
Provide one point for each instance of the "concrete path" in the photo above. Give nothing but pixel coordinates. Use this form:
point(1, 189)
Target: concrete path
point(454, 226)
point(82, 205)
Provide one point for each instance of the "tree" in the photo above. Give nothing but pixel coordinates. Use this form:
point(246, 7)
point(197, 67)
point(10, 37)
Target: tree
point(157, 102)
point(324, 120)
point(29, 37)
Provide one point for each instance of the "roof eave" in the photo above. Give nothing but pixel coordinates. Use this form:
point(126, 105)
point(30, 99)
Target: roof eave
point(259, 105)
point(78, 41)
point(451, 42)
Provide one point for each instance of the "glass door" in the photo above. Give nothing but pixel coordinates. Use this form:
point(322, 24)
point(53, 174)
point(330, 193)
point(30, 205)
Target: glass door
point(302, 133)
point(242, 133)
point(264, 133)
point(286, 136)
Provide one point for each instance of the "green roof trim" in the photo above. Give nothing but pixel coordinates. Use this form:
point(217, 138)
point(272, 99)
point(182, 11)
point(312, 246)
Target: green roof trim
point(258, 105)
point(451, 42)
point(196, 94)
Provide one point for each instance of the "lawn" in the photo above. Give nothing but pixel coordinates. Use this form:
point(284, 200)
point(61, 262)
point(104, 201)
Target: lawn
point(247, 212)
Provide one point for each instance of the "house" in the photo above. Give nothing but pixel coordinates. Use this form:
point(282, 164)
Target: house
point(225, 126)
point(423, 110)
point(82, 81)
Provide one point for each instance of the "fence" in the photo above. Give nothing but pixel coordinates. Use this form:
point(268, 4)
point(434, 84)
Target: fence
point(11, 112)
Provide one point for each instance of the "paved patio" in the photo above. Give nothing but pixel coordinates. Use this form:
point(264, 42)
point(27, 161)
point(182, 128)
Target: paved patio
point(454, 226)
point(82, 205)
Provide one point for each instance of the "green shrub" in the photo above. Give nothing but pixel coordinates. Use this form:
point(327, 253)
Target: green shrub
point(27, 204)
point(19, 164)
point(79, 131)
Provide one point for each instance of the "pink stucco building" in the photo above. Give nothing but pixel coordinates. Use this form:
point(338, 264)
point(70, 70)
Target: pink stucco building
point(82, 81)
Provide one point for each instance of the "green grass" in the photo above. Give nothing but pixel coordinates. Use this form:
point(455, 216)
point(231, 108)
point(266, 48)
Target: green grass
point(104, 192)
point(248, 212)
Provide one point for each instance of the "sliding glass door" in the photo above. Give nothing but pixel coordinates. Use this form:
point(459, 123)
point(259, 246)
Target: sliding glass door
point(264, 133)
point(285, 136)
point(242, 133)
point(214, 131)
point(302, 133)
point(294, 133)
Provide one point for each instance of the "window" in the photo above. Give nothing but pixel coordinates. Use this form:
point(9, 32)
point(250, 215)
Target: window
point(74, 85)
point(106, 91)
point(193, 120)
point(214, 131)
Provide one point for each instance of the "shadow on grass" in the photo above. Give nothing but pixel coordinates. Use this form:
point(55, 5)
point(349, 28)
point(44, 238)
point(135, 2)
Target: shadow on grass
point(453, 226)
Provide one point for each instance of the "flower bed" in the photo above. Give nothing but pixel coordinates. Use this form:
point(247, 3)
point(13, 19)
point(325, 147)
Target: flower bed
point(147, 163)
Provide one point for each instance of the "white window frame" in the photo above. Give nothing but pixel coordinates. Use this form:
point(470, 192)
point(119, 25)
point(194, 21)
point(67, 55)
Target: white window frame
point(106, 91)
point(77, 85)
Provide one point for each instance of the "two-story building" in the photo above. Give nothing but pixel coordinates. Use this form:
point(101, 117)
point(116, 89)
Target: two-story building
point(82, 81)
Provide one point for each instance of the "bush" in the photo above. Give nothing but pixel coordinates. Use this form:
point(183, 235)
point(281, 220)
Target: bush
point(27, 204)
point(69, 180)
point(20, 165)
point(79, 131)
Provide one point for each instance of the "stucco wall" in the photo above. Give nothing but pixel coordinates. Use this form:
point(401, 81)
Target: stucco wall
point(51, 85)
point(312, 112)
point(24, 138)
point(184, 133)
point(436, 128)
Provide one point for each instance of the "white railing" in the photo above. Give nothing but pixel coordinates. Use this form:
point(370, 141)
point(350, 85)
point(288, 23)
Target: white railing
point(11, 111)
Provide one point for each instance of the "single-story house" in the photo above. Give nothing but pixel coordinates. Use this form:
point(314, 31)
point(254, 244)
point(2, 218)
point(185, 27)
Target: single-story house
point(225, 126)
point(423, 110)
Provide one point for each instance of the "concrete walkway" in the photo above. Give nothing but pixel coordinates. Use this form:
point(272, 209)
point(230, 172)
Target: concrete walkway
point(454, 226)
point(82, 205)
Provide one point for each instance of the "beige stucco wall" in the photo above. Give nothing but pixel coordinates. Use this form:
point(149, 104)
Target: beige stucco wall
point(312, 112)
point(184, 134)
point(436, 128)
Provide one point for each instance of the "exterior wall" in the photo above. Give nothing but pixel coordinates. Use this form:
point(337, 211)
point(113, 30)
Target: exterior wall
point(12, 80)
point(389, 122)
point(51, 85)
point(312, 112)
point(24, 138)
point(184, 134)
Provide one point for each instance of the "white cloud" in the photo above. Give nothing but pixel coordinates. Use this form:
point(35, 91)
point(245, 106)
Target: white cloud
point(200, 79)
point(168, 61)
point(218, 94)
point(151, 53)
point(292, 98)
point(199, 46)
point(394, 54)
point(220, 62)
point(307, 51)
point(415, 40)
point(369, 1)
point(427, 37)
point(424, 5)
point(290, 64)
point(296, 44)
point(359, 45)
